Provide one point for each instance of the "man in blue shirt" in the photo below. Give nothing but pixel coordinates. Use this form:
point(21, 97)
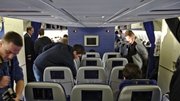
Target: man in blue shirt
point(10, 71)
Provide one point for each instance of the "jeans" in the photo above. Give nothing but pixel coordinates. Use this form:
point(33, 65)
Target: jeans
point(37, 74)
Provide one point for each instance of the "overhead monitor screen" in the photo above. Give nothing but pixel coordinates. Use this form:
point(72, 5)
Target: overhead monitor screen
point(91, 40)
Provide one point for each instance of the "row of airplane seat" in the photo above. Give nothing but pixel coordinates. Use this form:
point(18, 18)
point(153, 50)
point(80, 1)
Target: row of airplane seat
point(129, 90)
point(85, 75)
point(109, 64)
point(105, 56)
point(98, 62)
point(95, 59)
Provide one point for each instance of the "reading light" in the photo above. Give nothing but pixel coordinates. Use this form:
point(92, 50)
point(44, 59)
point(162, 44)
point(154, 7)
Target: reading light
point(74, 31)
point(108, 31)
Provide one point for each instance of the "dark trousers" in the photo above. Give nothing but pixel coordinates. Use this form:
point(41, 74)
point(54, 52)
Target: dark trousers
point(29, 70)
point(154, 74)
point(145, 68)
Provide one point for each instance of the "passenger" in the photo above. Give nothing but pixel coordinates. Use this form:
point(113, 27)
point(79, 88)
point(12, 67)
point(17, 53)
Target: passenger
point(10, 71)
point(92, 50)
point(120, 35)
point(41, 42)
point(64, 40)
point(116, 45)
point(57, 54)
point(65, 36)
point(154, 74)
point(175, 83)
point(137, 49)
point(52, 40)
point(29, 53)
point(131, 71)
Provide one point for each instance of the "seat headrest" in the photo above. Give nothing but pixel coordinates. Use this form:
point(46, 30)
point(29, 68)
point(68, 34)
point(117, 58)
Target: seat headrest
point(125, 83)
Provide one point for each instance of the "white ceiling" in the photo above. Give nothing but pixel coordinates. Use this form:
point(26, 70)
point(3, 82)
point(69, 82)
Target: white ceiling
point(90, 13)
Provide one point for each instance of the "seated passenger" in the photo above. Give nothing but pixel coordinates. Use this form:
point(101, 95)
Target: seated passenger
point(131, 71)
point(92, 50)
point(57, 54)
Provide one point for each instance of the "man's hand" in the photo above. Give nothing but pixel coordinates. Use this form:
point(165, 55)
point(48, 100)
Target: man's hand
point(29, 59)
point(17, 99)
point(4, 81)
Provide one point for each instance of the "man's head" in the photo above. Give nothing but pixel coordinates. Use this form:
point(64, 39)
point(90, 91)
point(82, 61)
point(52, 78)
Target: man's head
point(92, 50)
point(65, 36)
point(64, 40)
point(78, 50)
point(41, 32)
point(116, 32)
point(119, 31)
point(132, 71)
point(129, 36)
point(30, 30)
point(10, 45)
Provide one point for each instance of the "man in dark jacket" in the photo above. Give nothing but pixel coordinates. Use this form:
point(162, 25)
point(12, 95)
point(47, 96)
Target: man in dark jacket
point(57, 54)
point(135, 47)
point(29, 53)
point(175, 83)
point(41, 42)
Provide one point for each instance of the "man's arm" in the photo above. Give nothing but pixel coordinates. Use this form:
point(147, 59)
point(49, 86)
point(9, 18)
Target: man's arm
point(18, 77)
point(69, 62)
point(19, 88)
point(142, 50)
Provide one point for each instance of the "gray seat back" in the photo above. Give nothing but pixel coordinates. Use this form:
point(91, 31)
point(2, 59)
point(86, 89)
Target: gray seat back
point(140, 93)
point(91, 74)
point(116, 77)
point(91, 62)
point(91, 92)
point(91, 55)
point(113, 62)
point(61, 75)
point(108, 55)
point(44, 91)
